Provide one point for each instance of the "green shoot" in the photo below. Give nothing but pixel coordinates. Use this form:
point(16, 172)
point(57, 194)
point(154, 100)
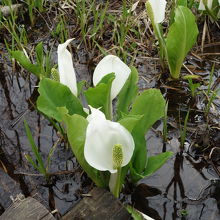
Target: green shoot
point(210, 101)
point(210, 80)
point(183, 131)
point(165, 122)
point(43, 66)
point(193, 87)
point(39, 165)
point(43, 169)
point(61, 31)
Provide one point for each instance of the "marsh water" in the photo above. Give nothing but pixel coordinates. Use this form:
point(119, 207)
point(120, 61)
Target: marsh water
point(186, 187)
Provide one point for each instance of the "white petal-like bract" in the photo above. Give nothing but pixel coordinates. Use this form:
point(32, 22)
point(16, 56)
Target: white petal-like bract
point(158, 8)
point(101, 136)
point(65, 66)
point(112, 64)
point(202, 6)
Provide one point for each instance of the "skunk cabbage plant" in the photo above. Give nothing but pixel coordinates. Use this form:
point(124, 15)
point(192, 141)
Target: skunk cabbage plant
point(181, 36)
point(107, 146)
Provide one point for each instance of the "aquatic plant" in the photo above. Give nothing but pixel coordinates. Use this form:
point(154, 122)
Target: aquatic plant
point(180, 38)
point(110, 153)
point(193, 87)
point(43, 65)
point(102, 145)
point(40, 165)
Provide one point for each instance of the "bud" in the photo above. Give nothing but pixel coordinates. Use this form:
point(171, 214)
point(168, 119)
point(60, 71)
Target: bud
point(55, 74)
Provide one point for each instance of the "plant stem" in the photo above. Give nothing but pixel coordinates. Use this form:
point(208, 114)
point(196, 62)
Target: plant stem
point(108, 111)
point(116, 186)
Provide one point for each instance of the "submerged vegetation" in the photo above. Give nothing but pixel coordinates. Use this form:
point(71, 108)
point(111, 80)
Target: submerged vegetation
point(107, 76)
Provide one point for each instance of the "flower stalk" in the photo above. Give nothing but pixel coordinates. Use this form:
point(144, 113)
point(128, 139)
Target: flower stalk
point(156, 18)
point(115, 180)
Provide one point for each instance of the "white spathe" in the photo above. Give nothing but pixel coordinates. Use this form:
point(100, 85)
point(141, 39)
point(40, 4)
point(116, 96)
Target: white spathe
point(101, 136)
point(158, 8)
point(112, 64)
point(65, 66)
point(202, 6)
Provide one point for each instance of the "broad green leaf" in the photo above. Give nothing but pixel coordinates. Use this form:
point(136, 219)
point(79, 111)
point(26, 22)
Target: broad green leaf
point(54, 94)
point(128, 93)
point(76, 132)
point(153, 164)
point(181, 2)
point(130, 121)
point(181, 37)
point(156, 162)
point(26, 63)
point(151, 104)
point(99, 96)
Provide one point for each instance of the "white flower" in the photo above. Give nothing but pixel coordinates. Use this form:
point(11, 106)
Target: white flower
point(202, 6)
point(65, 66)
point(108, 145)
point(112, 64)
point(158, 9)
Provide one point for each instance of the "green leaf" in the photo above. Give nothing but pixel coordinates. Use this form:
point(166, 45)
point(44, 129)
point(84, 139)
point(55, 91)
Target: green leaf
point(26, 63)
point(182, 3)
point(151, 104)
point(34, 148)
point(191, 77)
point(153, 164)
point(31, 161)
point(40, 53)
point(156, 162)
point(54, 94)
point(99, 96)
point(128, 93)
point(130, 121)
point(76, 132)
point(181, 37)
